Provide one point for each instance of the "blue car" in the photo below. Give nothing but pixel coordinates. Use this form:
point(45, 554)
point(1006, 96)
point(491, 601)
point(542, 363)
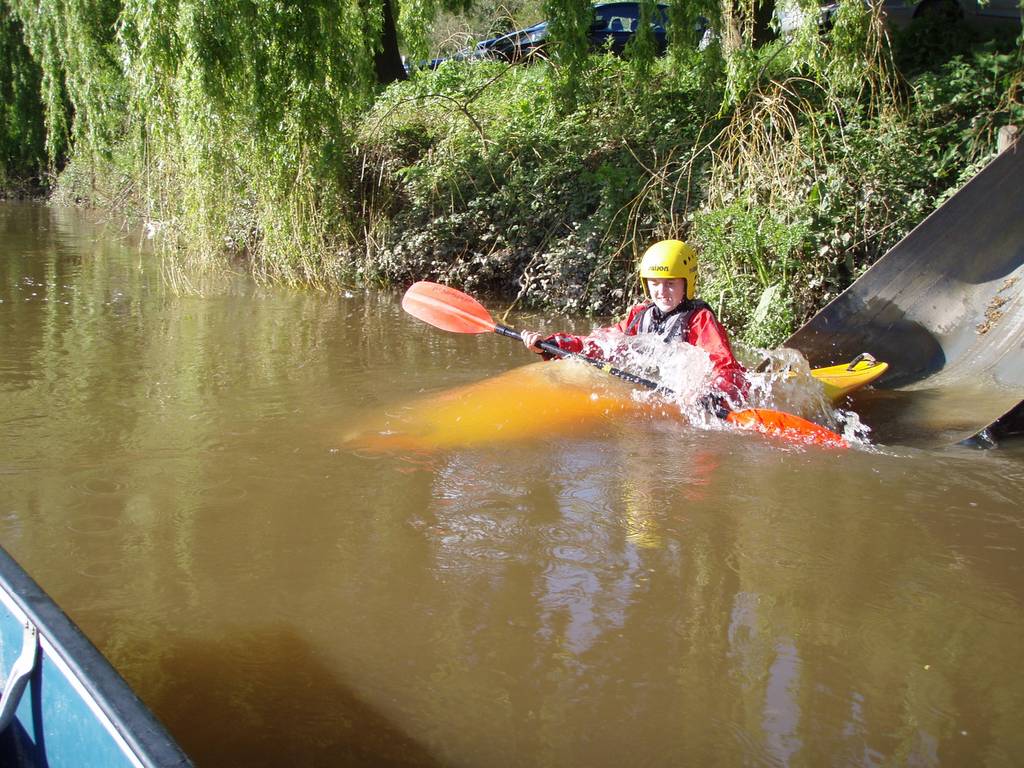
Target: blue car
point(614, 26)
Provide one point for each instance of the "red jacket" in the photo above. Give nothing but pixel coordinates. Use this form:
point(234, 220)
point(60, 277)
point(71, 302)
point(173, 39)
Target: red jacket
point(702, 330)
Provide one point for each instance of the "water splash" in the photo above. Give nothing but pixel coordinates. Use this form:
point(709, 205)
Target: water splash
point(779, 379)
point(682, 368)
point(782, 380)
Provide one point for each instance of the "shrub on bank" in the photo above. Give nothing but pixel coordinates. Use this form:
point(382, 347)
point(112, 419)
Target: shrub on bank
point(484, 179)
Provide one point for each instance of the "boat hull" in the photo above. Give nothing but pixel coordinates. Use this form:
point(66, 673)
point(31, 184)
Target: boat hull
point(65, 705)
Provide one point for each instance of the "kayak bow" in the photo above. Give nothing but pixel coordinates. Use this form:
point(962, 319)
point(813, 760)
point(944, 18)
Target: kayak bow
point(846, 378)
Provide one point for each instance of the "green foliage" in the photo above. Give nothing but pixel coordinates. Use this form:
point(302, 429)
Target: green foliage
point(430, 28)
point(22, 137)
point(82, 93)
point(241, 131)
point(568, 26)
point(253, 131)
point(225, 123)
point(748, 261)
point(494, 171)
point(791, 193)
point(961, 105)
point(683, 21)
point(641, 50)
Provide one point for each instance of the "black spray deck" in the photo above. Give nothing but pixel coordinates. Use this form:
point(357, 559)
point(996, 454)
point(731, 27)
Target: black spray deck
point(945, 308)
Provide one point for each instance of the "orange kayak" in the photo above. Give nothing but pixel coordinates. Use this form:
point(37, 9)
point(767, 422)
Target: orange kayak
point(566, 397)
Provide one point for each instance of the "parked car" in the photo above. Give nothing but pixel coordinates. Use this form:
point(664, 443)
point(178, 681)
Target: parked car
point(435, 63)
point(986, 13)
point(899, 13)
point(614, 25)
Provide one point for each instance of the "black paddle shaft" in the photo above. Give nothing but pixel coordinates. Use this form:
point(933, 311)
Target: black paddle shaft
point(557, 351)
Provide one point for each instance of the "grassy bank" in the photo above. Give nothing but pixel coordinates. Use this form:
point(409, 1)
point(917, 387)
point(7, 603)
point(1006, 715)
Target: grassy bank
point(254, 136)
point(477, 176)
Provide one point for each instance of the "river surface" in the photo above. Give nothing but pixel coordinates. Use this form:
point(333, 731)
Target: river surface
point(635, 591)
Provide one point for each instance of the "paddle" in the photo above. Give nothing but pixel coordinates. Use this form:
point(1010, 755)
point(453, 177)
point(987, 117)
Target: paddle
point(452, 310)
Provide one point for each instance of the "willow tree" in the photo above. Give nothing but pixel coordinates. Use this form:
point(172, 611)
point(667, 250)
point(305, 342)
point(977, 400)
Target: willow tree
point(22, 134)
point(230, 124)
point(81, 87)
point(226, 122)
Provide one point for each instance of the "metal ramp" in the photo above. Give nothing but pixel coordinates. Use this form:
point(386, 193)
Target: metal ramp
point(945, 308)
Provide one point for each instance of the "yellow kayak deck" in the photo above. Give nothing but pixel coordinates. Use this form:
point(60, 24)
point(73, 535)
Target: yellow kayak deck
point(840, 380)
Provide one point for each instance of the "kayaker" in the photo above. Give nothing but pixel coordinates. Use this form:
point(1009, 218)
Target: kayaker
point(668, 275)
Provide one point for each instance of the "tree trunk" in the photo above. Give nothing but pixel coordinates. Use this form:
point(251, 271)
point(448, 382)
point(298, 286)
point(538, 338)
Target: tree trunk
point(388, 60)
point(746, 22)
point(763, 12)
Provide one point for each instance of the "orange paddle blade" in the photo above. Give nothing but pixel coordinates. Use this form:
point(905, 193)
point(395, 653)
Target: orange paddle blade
point(787, 426)
point(446, 308)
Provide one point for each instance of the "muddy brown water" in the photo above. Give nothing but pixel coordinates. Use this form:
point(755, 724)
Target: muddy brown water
point(173, 473)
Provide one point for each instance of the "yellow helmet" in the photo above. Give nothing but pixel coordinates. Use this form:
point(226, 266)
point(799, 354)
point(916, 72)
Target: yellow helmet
point(667, 259)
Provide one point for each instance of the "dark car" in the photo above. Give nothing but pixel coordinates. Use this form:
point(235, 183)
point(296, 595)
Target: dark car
point(614, 26)
point(987, 13)
point(899, 13)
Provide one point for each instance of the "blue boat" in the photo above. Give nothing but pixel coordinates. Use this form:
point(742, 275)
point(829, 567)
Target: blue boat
point(63, 704)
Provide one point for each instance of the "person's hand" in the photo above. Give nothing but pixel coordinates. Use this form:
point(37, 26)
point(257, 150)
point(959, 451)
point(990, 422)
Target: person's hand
point(530, 339)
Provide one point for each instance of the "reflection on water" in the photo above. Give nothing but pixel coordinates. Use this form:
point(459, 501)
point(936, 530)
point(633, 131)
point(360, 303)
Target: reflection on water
point(634, 593)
